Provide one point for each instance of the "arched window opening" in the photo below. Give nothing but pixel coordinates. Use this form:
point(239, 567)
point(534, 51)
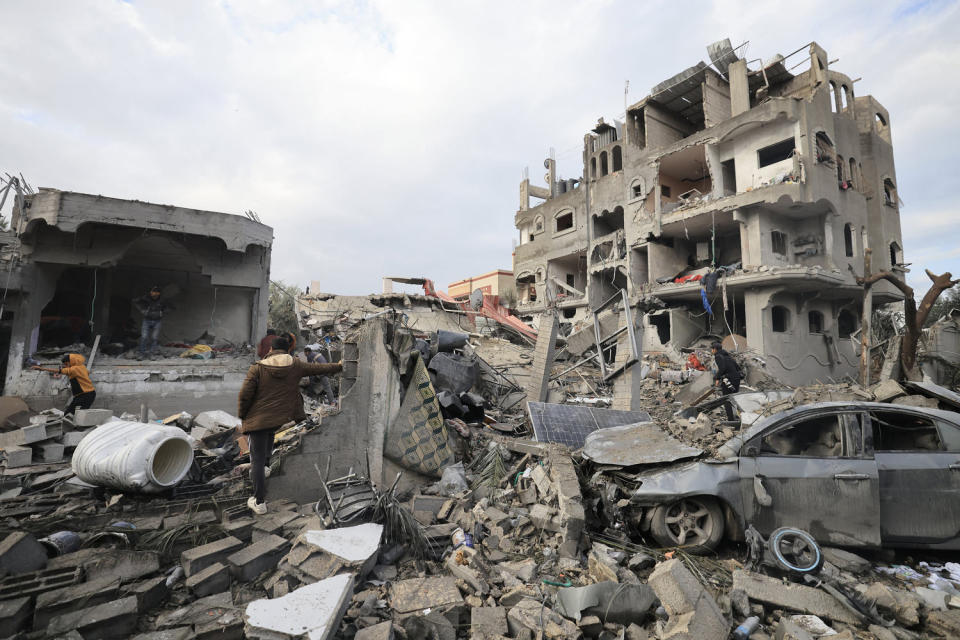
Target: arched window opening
point(834, 100)
point(889, 193)
point(843, 98)
point(854, 179)
point(881, 121)
point(564, 221)
point(638, 188)
point(825, 149)
point(593, 167)
point(815, 321)
point(603, 163)
point(841, 165)
point(781, 319)
point(617, 158)
point(896, 255)
point(846, 323)
point(538, 224)
point(848, 240)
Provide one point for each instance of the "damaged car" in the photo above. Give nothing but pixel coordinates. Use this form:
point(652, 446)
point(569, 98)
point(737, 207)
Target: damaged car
point(855, 474)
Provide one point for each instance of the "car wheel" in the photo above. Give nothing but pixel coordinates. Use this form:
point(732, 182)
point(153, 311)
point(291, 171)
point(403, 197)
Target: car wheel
point(795, 550)
point(696, 524)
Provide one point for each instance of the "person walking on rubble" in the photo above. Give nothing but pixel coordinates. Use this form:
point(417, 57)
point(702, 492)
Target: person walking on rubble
point(315, 357)
point(726, 376)
point(270, 398)
point(153, 308)
point(266, 343)
point(84, 393)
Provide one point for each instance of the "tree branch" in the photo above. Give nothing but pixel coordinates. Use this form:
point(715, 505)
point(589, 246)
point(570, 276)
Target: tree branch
point(890, 277)
point(940, 284)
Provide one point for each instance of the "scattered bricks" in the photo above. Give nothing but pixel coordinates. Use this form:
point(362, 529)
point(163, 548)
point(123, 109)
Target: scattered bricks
point(213, 579)
point(49, 452)
point(382, 631)
point(417, 594)
point(115, 619)
point(21, 553)
point(55, 603)
point(17, 456)
point(123, 564)
point(488, 622)
point(250, 562)
point(944, 623)
point(790, 596)
point(433, 504)
point(199, 558)
point(693, 612)
point(150, 594)
point(91, 417)
point(544, 517)
point(533, 615)
point(241, 529)
point(14, 616)
point(30, 584)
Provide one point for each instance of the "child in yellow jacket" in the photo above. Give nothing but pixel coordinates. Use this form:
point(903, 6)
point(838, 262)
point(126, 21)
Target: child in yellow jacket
point(84, 393)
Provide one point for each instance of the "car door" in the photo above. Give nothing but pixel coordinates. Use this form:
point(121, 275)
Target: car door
point(918, 459)
point(812, 471)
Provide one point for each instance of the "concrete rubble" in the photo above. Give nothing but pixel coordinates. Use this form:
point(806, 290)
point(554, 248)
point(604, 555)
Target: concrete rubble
point(471, 473)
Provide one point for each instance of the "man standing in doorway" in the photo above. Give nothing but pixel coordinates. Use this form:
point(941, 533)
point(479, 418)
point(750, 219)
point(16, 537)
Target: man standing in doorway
point(726, 376)
point(153, 308)
point(315, 357)
point(270, 398)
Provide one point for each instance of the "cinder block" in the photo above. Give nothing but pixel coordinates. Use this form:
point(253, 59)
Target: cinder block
point(17, 456)
point(199, 558)
point(49, 451)
point(91, 417)
point(250, 562)
point(240, 529)
point(21, 553)
point(14, 616)
point(150, 594)
point(58, 602)
point(116, 619)
point(213, 579)
point(71, 439)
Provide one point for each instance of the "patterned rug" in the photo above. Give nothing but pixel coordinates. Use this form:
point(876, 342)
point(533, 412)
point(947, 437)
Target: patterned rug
point(417, 439)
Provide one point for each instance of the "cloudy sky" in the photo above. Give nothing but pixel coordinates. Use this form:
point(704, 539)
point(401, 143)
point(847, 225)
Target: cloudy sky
point(388, 137)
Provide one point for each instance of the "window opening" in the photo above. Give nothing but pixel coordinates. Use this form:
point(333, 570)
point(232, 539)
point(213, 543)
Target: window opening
point(665, 191)
point(565, 222)
point(815, 321)
point(895, 431)
point(603, 163)
point(889, 193)
point(617, 159)
point(848, 240)
point(781, 319)
point(779, 241)
point(846, 323)
point(825, 148)
point(776, 153)
point(819, 437)
point(728, 170)
point(895, 256)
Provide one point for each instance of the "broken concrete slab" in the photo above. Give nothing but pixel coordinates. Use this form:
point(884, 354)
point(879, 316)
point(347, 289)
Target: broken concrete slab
point(486, 622)
point(791, 596)
point(381, 631)
point(633, 444)
point(197, 612)
point(124, 564)
point(887, 390)
point(312, 611)
point(535, 616)
point(846, 561)
point(213, 579)
point(356, 546)
point(150, 593)
point(21, 553)
point(116, 619)
point(944, 623)
point(789, 630)
point(417, 594)
point(904, 605)
point(55, 603)
point(694, 614)
point(14, 615)
point(619, 603)
point(16, 456)
point(179, 633)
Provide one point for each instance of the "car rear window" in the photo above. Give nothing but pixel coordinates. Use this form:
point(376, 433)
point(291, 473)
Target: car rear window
point(949, 435)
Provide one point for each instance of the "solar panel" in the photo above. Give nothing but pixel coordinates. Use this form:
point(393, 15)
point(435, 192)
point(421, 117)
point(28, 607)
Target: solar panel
point(570, 424)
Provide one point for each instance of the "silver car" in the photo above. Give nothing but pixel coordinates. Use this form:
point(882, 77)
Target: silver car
point(851, 473)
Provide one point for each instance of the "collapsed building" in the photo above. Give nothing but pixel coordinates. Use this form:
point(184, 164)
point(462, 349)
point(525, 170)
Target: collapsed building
point(742, 195)
point(75, 263)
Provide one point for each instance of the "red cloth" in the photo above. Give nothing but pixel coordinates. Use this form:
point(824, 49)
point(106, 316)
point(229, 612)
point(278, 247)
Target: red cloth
point(266, 344)
point(683, 279)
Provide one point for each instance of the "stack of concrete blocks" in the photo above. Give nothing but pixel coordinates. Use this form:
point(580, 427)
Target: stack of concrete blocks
point(42, 438)
point(627, 385)
point(572, 515)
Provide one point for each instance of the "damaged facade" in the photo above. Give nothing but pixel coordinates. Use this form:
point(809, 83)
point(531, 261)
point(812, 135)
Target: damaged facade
point(76, 262)
point(752, 189)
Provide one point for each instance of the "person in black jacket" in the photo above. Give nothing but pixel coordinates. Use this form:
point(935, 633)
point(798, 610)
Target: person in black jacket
point(726, 376)
point(153, 308)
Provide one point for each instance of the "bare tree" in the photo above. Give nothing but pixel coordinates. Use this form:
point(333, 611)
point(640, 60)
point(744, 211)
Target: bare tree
point(914, 317)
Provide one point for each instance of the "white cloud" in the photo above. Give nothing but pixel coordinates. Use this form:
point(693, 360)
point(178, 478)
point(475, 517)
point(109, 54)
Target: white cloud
point(388, 137)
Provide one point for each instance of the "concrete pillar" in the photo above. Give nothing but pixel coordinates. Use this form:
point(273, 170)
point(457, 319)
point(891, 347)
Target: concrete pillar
point(101, 314)
point(543, 355)
point(739, 88)
point(628, 386)
point(828, 221)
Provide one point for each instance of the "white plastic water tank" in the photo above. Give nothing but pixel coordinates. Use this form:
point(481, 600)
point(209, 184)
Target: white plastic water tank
point(133, 456)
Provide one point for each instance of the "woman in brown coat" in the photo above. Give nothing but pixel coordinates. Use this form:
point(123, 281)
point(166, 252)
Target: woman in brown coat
point(269, 398)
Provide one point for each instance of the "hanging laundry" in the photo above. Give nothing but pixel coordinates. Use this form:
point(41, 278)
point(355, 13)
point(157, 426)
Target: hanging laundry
point(706, 303)
point(710, 281)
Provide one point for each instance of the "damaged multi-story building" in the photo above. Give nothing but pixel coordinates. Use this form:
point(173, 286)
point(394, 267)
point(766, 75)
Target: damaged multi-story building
point(742, 194)
point(75, 263)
